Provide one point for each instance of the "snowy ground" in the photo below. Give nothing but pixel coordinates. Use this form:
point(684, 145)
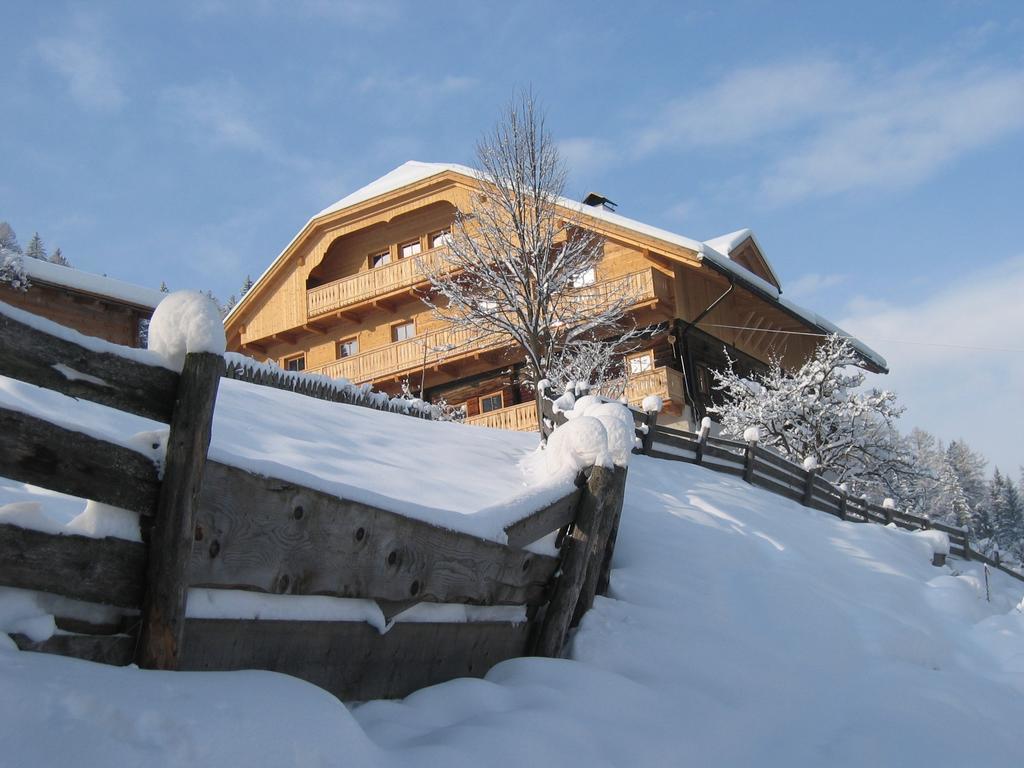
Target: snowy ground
point(742, 629)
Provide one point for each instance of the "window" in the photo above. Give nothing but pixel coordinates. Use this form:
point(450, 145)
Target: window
point(703, 380)
point(403, 331)
point(437, 239)
point(380, 259)
point(584, 278)
point(405, 250)
point(348, 347)
point(295, 362)
point(493, 402)
point(641, 363)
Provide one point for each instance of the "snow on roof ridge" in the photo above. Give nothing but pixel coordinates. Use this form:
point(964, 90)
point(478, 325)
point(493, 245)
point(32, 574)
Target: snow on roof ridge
point(89, 282)
point(726, 243)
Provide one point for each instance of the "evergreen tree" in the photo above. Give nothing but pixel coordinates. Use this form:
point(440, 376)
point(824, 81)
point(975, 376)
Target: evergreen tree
point(1006, 514)
point(36, 249)
point(164, 288)
point(246, 285)
point(951, 505)
point(8, 240)
point(58, 258)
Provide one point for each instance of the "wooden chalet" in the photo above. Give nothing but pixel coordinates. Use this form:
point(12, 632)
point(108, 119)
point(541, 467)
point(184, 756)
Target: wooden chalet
point(95, 305)
point(342, 300)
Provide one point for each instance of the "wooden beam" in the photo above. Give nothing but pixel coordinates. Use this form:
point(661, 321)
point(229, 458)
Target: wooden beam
point(163, 613)
point(352, 660)
point(110, 571)
point(38, 357)
point(541, 523)
point(37, 452)
point(268, 535)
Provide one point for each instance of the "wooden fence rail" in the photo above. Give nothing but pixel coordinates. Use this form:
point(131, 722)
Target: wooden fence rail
point(210, 525)
point(777, 474)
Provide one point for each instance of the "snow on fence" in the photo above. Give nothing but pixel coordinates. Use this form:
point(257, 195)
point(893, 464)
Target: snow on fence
point(322, 387)
point(768, 470)
point(214, 526)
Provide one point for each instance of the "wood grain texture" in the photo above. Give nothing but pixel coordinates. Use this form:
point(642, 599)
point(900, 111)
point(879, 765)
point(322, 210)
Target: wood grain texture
point(32, 355)
point(266, 535)
point(351, 659)
point(543, 522)
point(578, 548)
point(35, 451)
point(105, 649)
point(602, 565)
point(163, 612)
point(110, 571)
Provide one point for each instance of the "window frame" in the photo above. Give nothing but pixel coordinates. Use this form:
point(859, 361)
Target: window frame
point(501, 399)
point(288, 359)
point(580, 279)
point(400, 324)
point(342, 342)
point(433, 236)
point(384, 254)
point(417, 244)
point(636, 357)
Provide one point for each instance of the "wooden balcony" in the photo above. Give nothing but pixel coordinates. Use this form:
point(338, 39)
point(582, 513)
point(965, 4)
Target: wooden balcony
point(372, 285)
point(520, 418)
point(646, 287)
point(667, 383)
point(394, 359)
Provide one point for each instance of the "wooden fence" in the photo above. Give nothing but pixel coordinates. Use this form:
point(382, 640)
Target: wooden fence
point(207, 524)
point(768, 470)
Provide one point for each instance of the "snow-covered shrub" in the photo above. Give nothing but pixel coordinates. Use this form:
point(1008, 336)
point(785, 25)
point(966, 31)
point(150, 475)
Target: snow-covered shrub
point(186, 321)
point(12, 270)
point(820, 411)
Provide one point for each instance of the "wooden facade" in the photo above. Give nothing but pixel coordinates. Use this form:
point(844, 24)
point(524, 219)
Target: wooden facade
point(96, 306)
point(343, 300)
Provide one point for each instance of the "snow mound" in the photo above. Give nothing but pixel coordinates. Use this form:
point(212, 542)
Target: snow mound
point(99, 521)
point(652, 404)
point(186, 321)
point(577, 445)
point(751, 434)
point(619, 431)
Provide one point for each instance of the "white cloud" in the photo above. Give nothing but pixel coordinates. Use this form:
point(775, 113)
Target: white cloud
point(957, 358)
point(818, 128)
point(79, 55)
point(216, 113)
point(810, 284)
point(585, 156)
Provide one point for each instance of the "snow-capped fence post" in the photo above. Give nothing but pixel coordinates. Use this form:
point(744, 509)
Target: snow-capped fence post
point(844, 497)
point(648, 439)
point(811, 468)
point(751, 436)
point(702, 439)
point(171, 538)
point(583, 555)
point(967, 544)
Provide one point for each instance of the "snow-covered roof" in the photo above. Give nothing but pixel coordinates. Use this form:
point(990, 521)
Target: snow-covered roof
point(726, 244)
point(715, 251)
point(87, 282)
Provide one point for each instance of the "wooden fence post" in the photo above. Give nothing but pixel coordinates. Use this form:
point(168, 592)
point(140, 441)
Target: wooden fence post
point(170, 542)
point(598, 576)
point(967, 544)
point(749, 460)
point(648, 441)
point(702, 441)
point(843, 499)
point(809, 486)
point(578, 549)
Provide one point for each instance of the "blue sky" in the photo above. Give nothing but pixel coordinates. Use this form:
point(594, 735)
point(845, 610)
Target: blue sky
point(876, 148)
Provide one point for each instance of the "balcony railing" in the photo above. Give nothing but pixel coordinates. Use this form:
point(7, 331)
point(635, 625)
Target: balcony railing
point(664, 382)
point(410, 355)
point(374, 283)
point(521, 418)
point(642, 287)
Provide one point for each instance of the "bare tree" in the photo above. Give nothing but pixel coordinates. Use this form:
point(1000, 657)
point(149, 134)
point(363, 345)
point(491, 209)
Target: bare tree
point(519, 264)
